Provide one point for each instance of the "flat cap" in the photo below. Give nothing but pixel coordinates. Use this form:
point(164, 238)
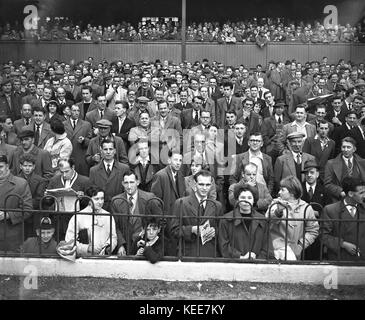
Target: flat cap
point(309, 165)
point(143, 99)
point(103, 123)
point(85, 80)
point(295, 135)
point(26, 133)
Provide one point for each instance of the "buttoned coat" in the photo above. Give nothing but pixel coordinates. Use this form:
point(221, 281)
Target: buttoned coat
point(129, 226)
point(188, 209)
point(111, 185)
point(333, 175)
point(164, 187)
point(285, 165)
point(235, 240)
point(83, 128)
point(269, 133)
point(14, 186)
point(335, 232)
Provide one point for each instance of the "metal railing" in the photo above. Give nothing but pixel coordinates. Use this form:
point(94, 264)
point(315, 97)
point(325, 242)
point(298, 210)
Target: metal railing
point(177, 227)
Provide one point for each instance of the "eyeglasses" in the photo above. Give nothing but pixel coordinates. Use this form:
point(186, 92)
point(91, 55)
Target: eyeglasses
point(255, 141)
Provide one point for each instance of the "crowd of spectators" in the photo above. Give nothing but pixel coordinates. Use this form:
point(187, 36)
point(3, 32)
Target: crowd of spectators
point(259, 31)
point(262, 142)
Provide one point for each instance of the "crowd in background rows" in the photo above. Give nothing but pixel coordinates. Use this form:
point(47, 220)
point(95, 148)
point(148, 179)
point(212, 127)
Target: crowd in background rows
point(259, 31)
point(271, 114)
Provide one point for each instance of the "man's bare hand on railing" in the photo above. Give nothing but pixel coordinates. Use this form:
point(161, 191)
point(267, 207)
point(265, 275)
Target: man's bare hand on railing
point(350, 248)
point(249, 255)
point(121, 251)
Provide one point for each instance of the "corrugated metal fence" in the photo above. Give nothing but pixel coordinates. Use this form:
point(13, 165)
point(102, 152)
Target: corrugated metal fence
point(234, 54)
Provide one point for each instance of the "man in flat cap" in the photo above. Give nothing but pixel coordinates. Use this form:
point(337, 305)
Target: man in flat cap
point(43, 162)
point(88, 82)
point(11, 224)
point(102, 112)
point(291, 162)
point(142, 105)
point(93, 155)
point(298, 125)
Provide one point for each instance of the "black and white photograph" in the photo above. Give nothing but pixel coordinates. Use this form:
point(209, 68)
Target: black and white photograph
point(181, 156)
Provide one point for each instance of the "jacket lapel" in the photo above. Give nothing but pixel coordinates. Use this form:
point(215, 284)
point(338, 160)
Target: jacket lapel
point(337, 167)
point(290, 163)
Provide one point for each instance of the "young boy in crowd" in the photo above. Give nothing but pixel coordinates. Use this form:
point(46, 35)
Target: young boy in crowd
point(43, 243)
point(150, 242)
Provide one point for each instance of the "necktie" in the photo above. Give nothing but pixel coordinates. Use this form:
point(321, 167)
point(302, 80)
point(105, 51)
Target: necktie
point(260, 93)
point(101, 114)
point(279, 120)
point(74, 124)
point(349, 167)
point(202, 208)
point(108, 171)
point(177, 184)
point(228, 102)
point(131, 204)
point(310, 193)
point(196, 117)
point(27, 122)
point(299, 159)
point(37, 135)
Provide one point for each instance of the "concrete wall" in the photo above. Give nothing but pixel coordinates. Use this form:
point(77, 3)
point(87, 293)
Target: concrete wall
point(247, 54)
point(317, 274)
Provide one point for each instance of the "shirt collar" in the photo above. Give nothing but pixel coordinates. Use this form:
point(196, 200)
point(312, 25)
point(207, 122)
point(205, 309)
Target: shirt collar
point(140, 160)
point(307, 185)
point(199, 198)
point(259, 155)
point(347, 159)
point(296, 124)
point(106, 164)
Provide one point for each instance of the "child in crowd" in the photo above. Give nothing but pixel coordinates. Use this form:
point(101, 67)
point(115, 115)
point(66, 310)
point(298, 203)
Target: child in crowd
point(43, 243)
point(150, 241)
